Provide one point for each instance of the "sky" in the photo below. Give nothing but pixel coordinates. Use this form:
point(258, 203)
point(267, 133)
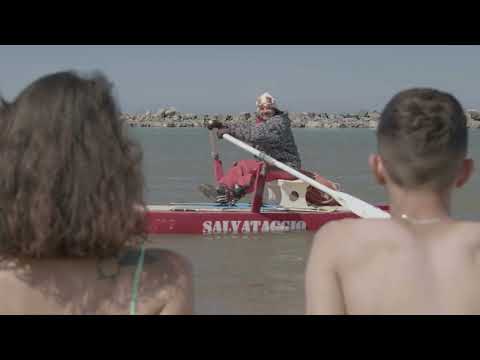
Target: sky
point(227, 79)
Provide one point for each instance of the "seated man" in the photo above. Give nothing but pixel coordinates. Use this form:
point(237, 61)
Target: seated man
point(421, 261)
point(272, 134)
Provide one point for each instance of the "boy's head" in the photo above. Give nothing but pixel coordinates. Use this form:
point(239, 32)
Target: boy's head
point(422, 141)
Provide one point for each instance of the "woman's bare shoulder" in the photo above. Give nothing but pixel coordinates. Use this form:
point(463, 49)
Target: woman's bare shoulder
point(165, 281)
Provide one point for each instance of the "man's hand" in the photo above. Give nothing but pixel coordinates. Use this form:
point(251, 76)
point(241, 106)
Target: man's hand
point(214, 124)
point(222, 131)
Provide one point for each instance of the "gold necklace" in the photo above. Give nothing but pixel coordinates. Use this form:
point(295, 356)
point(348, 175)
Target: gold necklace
point(420, 221)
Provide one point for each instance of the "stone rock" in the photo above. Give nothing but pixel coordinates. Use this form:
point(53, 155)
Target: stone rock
point(313, 124)
point(297, 121)
point(474, 114)
point(245, 115)
point(169, 117)
point(170, 111)
point(373, 124)
point(471, 123)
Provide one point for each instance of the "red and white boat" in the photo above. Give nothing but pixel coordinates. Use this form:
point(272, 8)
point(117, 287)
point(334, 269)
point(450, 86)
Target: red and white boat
point(255, 217)
point(213, 219)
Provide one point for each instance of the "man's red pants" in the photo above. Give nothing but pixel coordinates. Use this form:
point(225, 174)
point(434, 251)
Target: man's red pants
point(243, 174)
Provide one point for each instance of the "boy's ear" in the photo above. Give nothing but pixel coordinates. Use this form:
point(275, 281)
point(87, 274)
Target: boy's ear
point(377, 168)
point(466, 171)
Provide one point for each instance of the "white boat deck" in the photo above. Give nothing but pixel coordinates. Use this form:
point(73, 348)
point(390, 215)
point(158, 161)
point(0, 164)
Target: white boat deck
point(241, 207)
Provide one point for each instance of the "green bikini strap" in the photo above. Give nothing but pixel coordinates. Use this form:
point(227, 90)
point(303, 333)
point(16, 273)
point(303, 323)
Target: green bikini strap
point(136, 281)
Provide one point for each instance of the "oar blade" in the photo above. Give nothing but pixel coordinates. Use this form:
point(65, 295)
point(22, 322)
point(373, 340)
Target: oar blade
point(360, 207)
point(357, 206)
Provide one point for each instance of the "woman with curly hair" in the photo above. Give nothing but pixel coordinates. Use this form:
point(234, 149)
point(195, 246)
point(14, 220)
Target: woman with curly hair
point(72, 228)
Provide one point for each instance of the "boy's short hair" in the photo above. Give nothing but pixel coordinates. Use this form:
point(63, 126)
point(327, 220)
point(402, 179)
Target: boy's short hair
point(422, 138)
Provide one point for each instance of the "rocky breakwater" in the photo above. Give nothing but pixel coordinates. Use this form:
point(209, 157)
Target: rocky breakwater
point(170, 117)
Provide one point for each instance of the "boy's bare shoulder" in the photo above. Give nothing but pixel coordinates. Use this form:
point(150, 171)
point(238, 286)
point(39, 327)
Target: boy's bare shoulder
point(352, 230)
point(468, 231)
point(352, 240)
point(473, 226)
point(368, 233)
point(341, 236)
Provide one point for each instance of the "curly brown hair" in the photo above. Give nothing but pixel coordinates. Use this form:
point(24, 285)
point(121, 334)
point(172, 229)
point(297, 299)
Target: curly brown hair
point(72, 182)
point(422, 138)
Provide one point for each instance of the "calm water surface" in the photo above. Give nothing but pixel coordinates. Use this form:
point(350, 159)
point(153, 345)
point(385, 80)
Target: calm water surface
point(263, 273)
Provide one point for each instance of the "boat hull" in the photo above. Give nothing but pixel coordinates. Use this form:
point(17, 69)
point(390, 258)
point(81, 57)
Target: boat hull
point(212, 219)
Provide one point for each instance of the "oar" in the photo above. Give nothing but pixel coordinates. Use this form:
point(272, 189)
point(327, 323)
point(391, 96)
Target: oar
point(217, 163)
point(213, 143)
point(357, 206)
